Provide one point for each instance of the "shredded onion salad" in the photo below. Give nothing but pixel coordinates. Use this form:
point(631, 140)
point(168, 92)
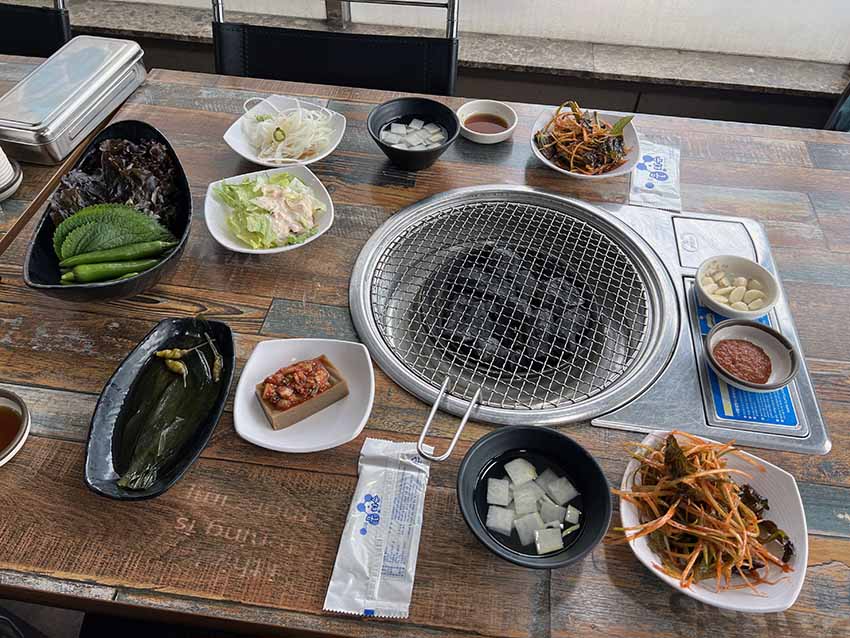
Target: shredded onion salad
point(701, 523)
point(291, 135)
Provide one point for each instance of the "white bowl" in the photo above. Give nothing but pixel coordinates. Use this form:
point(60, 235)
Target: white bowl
point(738, 267)
point(491, 107)
point(337, 424)
point(11, 400)
point(235, 138)
point(215, 213)
point(629, 137)
point(786, 510)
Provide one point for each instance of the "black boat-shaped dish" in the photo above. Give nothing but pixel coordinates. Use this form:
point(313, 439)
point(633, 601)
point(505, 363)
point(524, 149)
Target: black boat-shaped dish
point(112, 445)
point(41, 266)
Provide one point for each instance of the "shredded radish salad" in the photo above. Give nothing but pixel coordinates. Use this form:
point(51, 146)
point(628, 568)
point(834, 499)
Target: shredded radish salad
point(291, 135)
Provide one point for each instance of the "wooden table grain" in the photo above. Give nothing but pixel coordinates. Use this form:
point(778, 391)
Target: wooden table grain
point(247, 539)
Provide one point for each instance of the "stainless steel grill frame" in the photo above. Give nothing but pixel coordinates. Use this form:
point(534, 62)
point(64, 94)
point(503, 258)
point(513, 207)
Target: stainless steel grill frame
point(632, 297)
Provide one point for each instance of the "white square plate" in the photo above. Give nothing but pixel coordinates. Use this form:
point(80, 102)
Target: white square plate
point(786, 510)
point(339, 423)
point(215, 213)
point(235, 138)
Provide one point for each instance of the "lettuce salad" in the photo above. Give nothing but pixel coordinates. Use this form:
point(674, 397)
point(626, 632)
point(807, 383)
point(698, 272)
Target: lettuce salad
point(269, 211)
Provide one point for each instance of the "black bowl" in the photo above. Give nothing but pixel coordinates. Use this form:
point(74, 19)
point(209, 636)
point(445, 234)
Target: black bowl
point(41, 266)
point(560, 451)
point(100, 472)
point(403, 110)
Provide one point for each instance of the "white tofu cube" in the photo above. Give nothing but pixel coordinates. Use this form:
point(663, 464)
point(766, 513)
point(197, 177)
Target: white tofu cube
point(416, 124)
point(520, 471)
point(500, 519)
point(398, 129)
point(548, 540)
point(561, 491)
point(498, 492)
point(527, 525)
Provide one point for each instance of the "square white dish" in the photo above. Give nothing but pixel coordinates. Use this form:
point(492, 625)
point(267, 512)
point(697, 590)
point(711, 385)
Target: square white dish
point(337, 424)
point(271, 105)
point(215, 213)
point(630, 139)
point(786, 510)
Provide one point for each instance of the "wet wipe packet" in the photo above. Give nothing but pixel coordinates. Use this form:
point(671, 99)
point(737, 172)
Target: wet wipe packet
point(655, 178)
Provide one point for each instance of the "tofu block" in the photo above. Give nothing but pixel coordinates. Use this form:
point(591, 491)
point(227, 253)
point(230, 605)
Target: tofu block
point(561, 491)
point(500, 519)
point(280, 419)
point(548, 540)
point(498, 492)
point(520, 471)
point(527, 525)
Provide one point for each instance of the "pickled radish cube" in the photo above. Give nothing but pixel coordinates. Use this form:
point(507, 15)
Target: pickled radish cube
point(416, 124)
point(432, 128)
point(526, 497)
point(520, 471)
point(572, 515)
point(413, 139)
point(561, 491)
point(500, 519)
point(546, 477)
point(550, 511)
point(527, 525)
point(437, 137)
point(548, 540)
point(498, 492)
point(398, 129)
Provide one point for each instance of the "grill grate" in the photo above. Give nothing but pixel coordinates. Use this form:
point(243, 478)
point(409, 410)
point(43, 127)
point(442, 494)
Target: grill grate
point(542, 255)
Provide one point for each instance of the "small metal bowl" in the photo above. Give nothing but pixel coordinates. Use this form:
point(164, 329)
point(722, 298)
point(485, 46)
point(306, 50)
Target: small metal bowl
point(784, 360)
point(562, 451)
point(12, 400)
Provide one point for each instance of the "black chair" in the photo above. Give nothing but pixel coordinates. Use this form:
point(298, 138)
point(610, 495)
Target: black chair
point(35, 31)
point(839, 120)
point(399, 63)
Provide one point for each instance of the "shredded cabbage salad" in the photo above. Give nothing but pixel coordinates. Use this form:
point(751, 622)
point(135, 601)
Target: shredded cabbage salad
point(269, 211)
point(290, 135)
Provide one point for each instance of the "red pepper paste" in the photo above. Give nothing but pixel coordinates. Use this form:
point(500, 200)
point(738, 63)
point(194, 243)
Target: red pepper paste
point(743, 359)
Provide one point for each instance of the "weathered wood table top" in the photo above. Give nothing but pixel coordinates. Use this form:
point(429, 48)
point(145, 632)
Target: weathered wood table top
point(250, 536)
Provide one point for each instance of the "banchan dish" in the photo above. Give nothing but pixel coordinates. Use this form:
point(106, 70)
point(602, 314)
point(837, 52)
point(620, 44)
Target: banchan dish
point(106, 459)
point(41, 266)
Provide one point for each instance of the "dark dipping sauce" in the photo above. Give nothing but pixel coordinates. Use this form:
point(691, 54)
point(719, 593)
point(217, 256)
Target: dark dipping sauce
point(743, 360)
point(486, 123)
point(10, 425)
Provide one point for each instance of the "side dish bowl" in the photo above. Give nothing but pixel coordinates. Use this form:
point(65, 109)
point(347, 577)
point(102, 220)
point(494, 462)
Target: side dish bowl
point(216, 213)
point(487, 107)
point(41, 265)
point(562, 451)
point(101, 475)
point(630, 139)
point(735, 266)
point(11, 400)
point(235, 138)
point(786, 510)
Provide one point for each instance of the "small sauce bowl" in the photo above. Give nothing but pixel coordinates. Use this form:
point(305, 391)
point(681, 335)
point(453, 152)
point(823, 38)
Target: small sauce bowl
point(784, 360)
point(734, 266)
point(11, 400)
point(487, 107)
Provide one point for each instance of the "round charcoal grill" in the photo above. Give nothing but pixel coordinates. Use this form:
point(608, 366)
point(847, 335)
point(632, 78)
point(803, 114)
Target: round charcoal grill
point(514, 306)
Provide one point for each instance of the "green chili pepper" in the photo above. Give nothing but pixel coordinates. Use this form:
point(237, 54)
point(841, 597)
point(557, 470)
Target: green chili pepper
point(121, 253)
point(86, 273)
point(279, 134)
point(177, 367)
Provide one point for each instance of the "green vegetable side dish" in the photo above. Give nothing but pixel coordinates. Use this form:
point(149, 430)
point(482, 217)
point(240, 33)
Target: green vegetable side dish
point(270, 211)
point(130, 251)
point(167, 404)
point(88, 273)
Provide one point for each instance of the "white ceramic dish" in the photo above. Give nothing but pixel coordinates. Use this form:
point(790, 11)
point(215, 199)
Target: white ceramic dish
point(629, 137)
point(783, 359)
point(337, 424)
point(235, 138)
point(215, 213)
point(491, 107)
point(786, 510)
point(12, 400)
point(738, 267)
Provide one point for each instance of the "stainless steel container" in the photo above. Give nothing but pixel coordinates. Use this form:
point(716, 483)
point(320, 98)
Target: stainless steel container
point(56, 106)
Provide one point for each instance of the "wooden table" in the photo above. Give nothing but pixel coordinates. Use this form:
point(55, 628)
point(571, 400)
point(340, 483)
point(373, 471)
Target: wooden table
point(249, 536)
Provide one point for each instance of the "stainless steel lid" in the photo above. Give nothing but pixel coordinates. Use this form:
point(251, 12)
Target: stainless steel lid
point(514, 305)
point(64, 88)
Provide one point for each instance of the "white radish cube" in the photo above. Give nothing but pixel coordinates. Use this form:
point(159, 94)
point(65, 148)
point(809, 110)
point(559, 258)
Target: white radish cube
point(561, 491)
point(432, 128)
point(520, 471)
point(500, 519)
point(437, 137)
point(398, 129)
point(390, 138)
point(548, 540)
point(416, 124)
point(498, 492)
point(526, 497)
point(550, 512)
point(527, 525)
point(572, 515)
point(413, 139)
point(546, 477)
